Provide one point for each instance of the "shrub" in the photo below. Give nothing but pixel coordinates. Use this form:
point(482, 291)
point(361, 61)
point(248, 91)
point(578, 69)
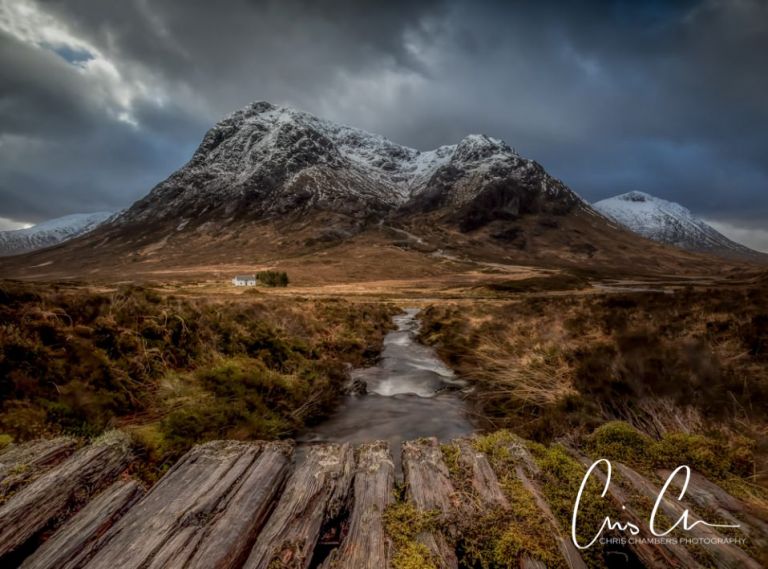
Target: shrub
point(73, 361)
point(273, 278)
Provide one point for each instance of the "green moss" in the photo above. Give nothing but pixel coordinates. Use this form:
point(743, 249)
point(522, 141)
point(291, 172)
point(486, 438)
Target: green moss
point(451, 458)
point(413, 555)
point(715, 456)
point(560, 477)
point(403, 523)
point(620, 441)
point(497, 446)
point(5, 440)
point(502, 538)
point(244, 368)
point(697, 451)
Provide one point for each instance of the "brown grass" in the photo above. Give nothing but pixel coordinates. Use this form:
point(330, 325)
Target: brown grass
point(560, 366)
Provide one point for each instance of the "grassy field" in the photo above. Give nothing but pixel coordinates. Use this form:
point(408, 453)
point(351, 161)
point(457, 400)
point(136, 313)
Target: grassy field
point(175, 370)
point(687, 368)
point(551, 355)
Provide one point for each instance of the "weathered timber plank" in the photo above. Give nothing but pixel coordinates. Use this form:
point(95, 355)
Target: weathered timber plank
point(49, 497)
point(486, 495)
point(169, 517)
point(229, 537)
point(570, 554)
point(482, 479)
point(77, 540)
point(653, 555)
point(428, 486)
point(724, 555)
point(19, 464)
point(315, 494)
point(709, 496)
point(365, 546)
point(530, 563)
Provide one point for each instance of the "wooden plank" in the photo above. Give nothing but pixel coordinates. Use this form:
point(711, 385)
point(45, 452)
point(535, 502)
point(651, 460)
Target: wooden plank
point(365, 546)
point(183, 538)
point(482, 479)
point(653, 555)
point(724, 555)
point(51, 496)
point(486, 492)
point(315, 494)
point(526, 471)
point(187, 508)
point(709, 496)
point(428, 486)
point(22, 463)
point(571, 555)
point(77, 540)
point(231, 534)
point(530, 563)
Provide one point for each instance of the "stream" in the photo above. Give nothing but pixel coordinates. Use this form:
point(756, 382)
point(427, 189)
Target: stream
point(410, 394)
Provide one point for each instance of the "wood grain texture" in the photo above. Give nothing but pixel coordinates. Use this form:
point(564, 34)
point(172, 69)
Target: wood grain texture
point(428, 486)
point(365, 545)
point(229, 537)
point(724, 555)
point(710, 497)
point(315, 494)
point(20, 464)
point(77, 540)
point(51, 496)
point(568, 550)
point(653, 555)
point(483, 481)
point(212, 501)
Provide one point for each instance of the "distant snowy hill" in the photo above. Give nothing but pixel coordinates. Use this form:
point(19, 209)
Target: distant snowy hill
point(668, 222)
point(51, 232)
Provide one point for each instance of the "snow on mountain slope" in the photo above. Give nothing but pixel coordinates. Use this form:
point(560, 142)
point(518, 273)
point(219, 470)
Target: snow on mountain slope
point(667, 222)
point(269, 161)
point(51, 232)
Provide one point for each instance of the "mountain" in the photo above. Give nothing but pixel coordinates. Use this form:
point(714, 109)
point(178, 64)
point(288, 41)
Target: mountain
point(51, 232)
point(271, 162)
point(669, 223)
point(272, 186)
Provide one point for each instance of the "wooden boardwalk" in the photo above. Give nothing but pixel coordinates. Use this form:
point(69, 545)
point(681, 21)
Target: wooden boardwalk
point(229, 504)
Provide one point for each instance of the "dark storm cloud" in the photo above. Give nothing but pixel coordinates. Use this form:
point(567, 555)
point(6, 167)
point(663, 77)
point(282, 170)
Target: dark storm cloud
point(666, 97)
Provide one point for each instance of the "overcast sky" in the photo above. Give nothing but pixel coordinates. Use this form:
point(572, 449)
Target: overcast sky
point(100, 100)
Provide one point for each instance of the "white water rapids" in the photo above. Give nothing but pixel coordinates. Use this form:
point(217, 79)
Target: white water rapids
point(411, 394)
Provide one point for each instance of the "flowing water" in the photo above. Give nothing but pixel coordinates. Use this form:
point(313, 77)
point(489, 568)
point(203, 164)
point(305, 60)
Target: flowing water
point(411, 394)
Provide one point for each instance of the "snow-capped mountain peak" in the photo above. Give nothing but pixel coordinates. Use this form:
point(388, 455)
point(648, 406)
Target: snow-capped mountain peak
point(270, 161)
point(51, 232)
point(667, 222)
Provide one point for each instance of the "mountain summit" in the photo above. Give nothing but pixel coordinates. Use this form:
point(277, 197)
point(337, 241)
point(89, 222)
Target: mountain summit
point(266, 161)
point(273, 186)
point(670, 223)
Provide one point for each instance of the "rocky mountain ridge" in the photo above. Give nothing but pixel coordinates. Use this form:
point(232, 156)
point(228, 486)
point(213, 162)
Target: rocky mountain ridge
point(274, 187)
point(267, 161)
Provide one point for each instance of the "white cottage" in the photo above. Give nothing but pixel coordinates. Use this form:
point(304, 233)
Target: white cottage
point(244, 280)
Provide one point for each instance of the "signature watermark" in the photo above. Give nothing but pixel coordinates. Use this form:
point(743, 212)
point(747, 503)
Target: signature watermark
point(632, 531)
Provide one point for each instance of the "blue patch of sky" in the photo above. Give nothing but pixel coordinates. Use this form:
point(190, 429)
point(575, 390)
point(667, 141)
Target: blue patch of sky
point(72, 55)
